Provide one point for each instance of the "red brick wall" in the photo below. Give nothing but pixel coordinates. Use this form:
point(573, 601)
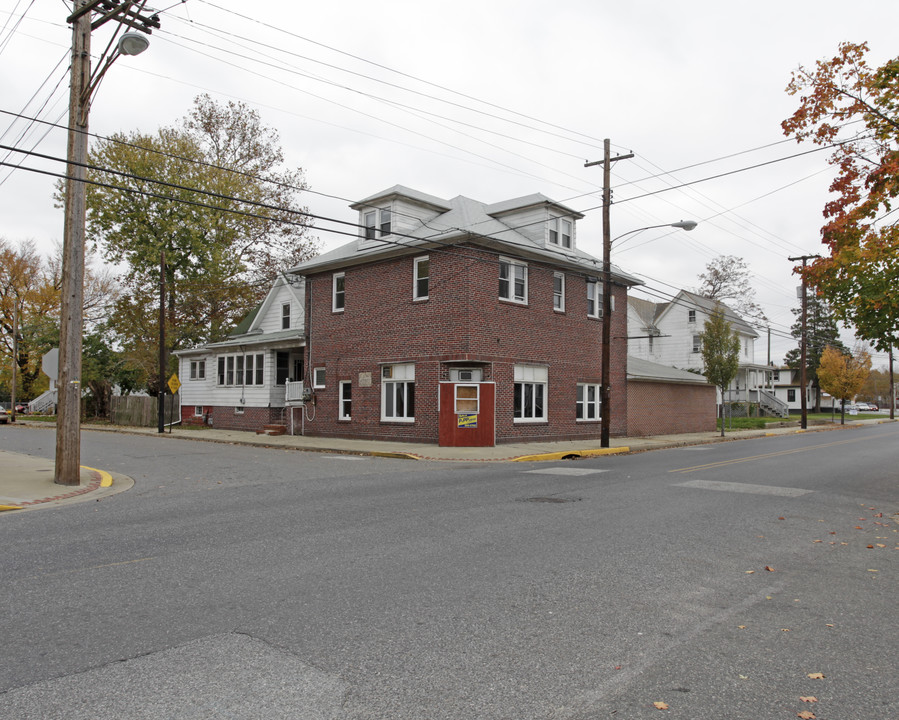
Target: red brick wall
point(225, 418)
point(657, 408)
point(463, 319)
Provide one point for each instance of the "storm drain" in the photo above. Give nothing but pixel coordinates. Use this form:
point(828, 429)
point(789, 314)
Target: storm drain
point(551, 499)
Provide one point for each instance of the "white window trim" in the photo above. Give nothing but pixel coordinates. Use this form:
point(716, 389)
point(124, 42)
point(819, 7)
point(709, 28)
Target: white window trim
point(477, 399)
point(697, 343)
point(415, 278)
point(197, 370)
point(318, 374)
point(341, 401)
point(691, 316)
point(561, 294)
point(597, 299)
point(581, 400)
point(200, 408)
point(334, 293)
point(400, 374)
point(512, 265)
point(369, 230)
point(285, 316)
point(381, 223)
point(532, 375)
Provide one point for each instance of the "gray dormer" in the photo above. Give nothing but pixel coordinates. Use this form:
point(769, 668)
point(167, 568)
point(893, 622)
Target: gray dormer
point(546, 222)
point(396, 211)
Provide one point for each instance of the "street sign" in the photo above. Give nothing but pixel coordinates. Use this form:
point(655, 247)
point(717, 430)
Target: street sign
point(50, 363)
point(174, 383)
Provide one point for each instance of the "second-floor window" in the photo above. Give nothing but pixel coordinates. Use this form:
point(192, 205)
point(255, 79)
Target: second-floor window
point(697, 343)
point(338, 295)
point(421, 279)
point(691, 316)
point(594, 299)
point(559, 291)
point(376, 223)
point(285, 316)
point(513, 281)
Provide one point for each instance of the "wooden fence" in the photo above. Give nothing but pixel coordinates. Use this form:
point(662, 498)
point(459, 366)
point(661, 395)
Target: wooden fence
point(142, 411)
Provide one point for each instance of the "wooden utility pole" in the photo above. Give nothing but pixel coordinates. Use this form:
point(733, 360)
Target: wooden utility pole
point(68, 419)
point(71, 314)
point(162, 360)
point(15, 356)
point(606, 387)
point(803, 342)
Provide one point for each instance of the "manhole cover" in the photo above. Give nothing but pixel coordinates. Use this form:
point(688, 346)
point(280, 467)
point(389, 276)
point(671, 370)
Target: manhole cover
point(551, 499)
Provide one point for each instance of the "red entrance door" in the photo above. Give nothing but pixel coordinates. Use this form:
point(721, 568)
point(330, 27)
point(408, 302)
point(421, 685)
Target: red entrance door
point(467, 414)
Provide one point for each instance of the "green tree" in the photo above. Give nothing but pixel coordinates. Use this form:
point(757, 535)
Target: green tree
point(853, 108)
point(843, 374)
point(210, 193)
point(720, 353)
point(821, 331)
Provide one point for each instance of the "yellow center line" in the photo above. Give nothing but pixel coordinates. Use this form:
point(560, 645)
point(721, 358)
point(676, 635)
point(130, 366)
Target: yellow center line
point(763, 456)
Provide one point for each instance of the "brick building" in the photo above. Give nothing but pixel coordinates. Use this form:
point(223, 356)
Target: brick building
point(460, 322)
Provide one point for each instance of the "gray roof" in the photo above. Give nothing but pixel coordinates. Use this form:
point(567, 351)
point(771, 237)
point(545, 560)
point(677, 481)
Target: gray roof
point(283, 338)
point(647, 371)
point(466, 220)
point(708, 306)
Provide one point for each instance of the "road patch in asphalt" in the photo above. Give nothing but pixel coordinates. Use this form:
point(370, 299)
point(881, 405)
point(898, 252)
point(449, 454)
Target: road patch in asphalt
point(565, 471)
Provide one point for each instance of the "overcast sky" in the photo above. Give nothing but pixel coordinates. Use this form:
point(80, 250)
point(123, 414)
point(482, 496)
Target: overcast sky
point(491, 99)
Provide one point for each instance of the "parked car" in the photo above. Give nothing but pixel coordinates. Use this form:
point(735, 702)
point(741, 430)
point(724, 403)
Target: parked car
point(22, 408)
point(4, 416)
point(865, 407)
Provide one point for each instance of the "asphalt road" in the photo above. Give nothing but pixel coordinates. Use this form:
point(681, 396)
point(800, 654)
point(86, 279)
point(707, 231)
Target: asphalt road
point(236, 582)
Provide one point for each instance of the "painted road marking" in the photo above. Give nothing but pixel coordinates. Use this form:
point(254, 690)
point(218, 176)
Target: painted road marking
point(744, 488)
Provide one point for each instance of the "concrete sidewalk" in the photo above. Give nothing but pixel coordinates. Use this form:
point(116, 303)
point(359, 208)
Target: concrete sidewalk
point(26, 482)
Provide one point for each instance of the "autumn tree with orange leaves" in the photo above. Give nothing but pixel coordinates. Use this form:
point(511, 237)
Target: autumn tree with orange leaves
point(853, 108)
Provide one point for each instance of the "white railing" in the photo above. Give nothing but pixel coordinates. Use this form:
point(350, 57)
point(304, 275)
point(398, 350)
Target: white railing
point(43, 402)
point(293, 392)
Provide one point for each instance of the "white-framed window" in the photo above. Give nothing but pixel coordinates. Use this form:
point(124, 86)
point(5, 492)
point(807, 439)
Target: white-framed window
point(421, 279)
point(467, 401)
point(776, 377)
point(513, 281)
point(384, 225)
point(198, 411)
point(559, 291)
point(529, 404)
point(746, 347)
point(791, 395)
point(588, 402)
point(369, 223)
point(697, 343)
point(691, 316)
point(338, 292)
point(318, 377)
point(197, 369)
point(560, 232)
point(594, 299)
point(398, 392)
point(238, 409)
point(345, 393)
point(285, 316)
point(241, 369)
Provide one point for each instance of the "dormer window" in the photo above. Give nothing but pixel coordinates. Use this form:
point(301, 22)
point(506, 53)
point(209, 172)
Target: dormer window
point(376, 222)
point(560, 232)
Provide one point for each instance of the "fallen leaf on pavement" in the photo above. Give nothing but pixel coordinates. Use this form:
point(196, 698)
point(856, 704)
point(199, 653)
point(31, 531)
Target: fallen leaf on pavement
point(769, 568)
point(809, 698)
point(806, 715)
point(816, 676)
point(661, 705)
point(750, 572)
point(781, 518)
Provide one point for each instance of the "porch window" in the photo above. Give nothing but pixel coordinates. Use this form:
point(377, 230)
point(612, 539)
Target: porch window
point(197, 369)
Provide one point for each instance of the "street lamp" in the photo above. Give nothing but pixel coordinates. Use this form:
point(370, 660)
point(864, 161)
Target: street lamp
point(71, 311)
point(606, 387)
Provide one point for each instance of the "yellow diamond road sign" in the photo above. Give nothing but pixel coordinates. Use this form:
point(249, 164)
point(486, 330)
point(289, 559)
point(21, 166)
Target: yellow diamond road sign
point(174, 383)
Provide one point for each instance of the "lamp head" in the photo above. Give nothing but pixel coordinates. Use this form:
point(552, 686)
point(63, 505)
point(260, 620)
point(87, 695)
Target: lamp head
point(685, 224)
point(133, 43)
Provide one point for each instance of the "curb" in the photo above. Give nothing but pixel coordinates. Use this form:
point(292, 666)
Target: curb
point(571, 454)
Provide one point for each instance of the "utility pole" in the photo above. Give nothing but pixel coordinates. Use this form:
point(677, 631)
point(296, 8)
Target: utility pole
point(162, 363)
point(803, 341)
point(15, 355)
point(606, 387)
point(71, 315)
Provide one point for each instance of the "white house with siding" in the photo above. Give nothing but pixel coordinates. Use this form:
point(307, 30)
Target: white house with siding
point(242, 381)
